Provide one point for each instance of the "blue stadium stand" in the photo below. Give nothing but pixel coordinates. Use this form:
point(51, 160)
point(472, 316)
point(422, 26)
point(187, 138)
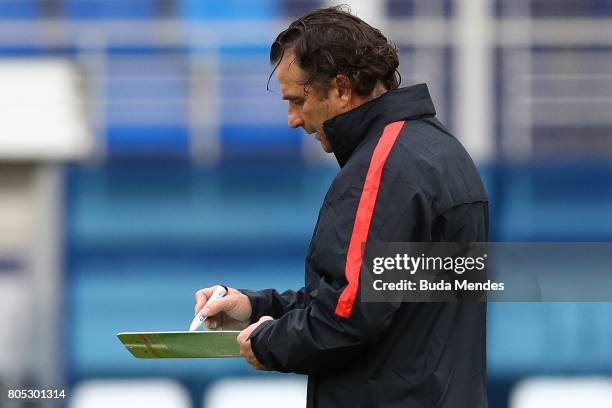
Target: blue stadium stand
point(105, 9)
point(582, 8)
point(20, 9)
point(264, 137)
point(155, 97)
point(234, 9)
point(571, 203)
point(147, 142)
point(253, 120)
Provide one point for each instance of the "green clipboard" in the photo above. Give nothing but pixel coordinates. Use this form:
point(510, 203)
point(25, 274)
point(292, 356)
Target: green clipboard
point(181, 344)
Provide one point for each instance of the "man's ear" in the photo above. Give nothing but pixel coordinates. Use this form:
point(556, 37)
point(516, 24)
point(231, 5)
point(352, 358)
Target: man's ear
point(343, 88)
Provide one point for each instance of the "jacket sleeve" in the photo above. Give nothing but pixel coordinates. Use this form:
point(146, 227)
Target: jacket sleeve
point(314, 338)
point(269, 302)
point(317, 337)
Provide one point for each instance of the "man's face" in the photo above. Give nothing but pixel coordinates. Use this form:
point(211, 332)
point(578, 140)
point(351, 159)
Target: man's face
point(309, 110)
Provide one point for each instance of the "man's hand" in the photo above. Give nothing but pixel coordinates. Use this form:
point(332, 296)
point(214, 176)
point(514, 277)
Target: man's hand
point(245, 344)
point(231, 312)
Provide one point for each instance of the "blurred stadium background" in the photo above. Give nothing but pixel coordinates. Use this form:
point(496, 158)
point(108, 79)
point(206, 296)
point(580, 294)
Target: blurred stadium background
point(142, 158)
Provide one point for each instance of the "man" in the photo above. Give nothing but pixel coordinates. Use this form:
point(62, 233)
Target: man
point(402, 178)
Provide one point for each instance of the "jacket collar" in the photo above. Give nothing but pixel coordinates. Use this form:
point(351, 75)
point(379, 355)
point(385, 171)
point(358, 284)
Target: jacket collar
point(346, 131)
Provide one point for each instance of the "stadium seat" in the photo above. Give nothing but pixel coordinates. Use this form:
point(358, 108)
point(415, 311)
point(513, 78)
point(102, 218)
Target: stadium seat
point(118, 393)
point(560, 392)
point(260, 393)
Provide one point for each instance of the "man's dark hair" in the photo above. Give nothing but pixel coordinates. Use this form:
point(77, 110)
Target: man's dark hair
point(331, 41)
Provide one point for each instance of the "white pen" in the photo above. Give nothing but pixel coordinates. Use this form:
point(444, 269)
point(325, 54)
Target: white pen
point(199, 318)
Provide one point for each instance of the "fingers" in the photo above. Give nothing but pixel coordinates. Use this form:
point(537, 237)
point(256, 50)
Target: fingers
point(225, 304)
point(235, 305)
point(244, 344)
point(201, 297)
point(244, 335)
point(212, 323)
point(247, 352)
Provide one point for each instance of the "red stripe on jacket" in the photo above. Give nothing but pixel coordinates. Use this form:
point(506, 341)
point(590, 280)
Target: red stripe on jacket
point(363, 219)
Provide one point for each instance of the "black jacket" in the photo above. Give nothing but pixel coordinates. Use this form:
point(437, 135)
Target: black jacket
point(359, 354)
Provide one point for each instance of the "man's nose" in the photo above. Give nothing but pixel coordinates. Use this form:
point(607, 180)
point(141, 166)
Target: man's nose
point(295, 121)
